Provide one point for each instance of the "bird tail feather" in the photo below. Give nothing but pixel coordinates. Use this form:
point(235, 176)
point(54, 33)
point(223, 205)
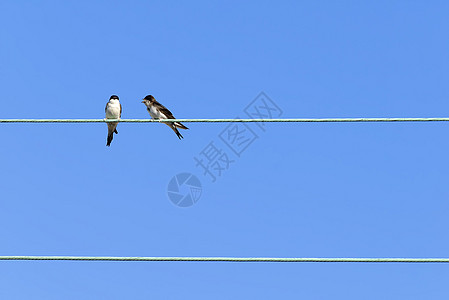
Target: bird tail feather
point(110, 138)
point(179, 125)
point(177, 132)
point(112, 128)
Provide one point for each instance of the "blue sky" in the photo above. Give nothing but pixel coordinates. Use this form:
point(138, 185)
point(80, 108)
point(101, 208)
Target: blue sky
point(299, 190)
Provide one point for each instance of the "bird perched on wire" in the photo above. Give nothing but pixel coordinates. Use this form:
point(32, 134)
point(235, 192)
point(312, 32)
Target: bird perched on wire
point(159, 112)
point(113, 111)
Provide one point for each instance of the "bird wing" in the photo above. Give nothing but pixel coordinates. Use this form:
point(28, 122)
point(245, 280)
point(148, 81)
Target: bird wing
point(163, 110)
point(120, 110)
point(106, 108)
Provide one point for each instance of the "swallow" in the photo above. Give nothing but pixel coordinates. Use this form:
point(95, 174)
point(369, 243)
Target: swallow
point(113, 111)
point(158, 111)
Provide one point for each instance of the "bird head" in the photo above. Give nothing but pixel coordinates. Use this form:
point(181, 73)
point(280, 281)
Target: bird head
point(148, 98)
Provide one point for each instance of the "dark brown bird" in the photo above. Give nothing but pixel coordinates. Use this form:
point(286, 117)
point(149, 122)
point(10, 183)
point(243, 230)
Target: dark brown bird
point(159, 112)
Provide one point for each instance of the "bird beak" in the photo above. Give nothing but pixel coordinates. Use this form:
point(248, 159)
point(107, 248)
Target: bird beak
point(143, 101)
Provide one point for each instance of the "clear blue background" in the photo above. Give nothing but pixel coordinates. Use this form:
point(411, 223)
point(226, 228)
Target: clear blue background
point(300, 190)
